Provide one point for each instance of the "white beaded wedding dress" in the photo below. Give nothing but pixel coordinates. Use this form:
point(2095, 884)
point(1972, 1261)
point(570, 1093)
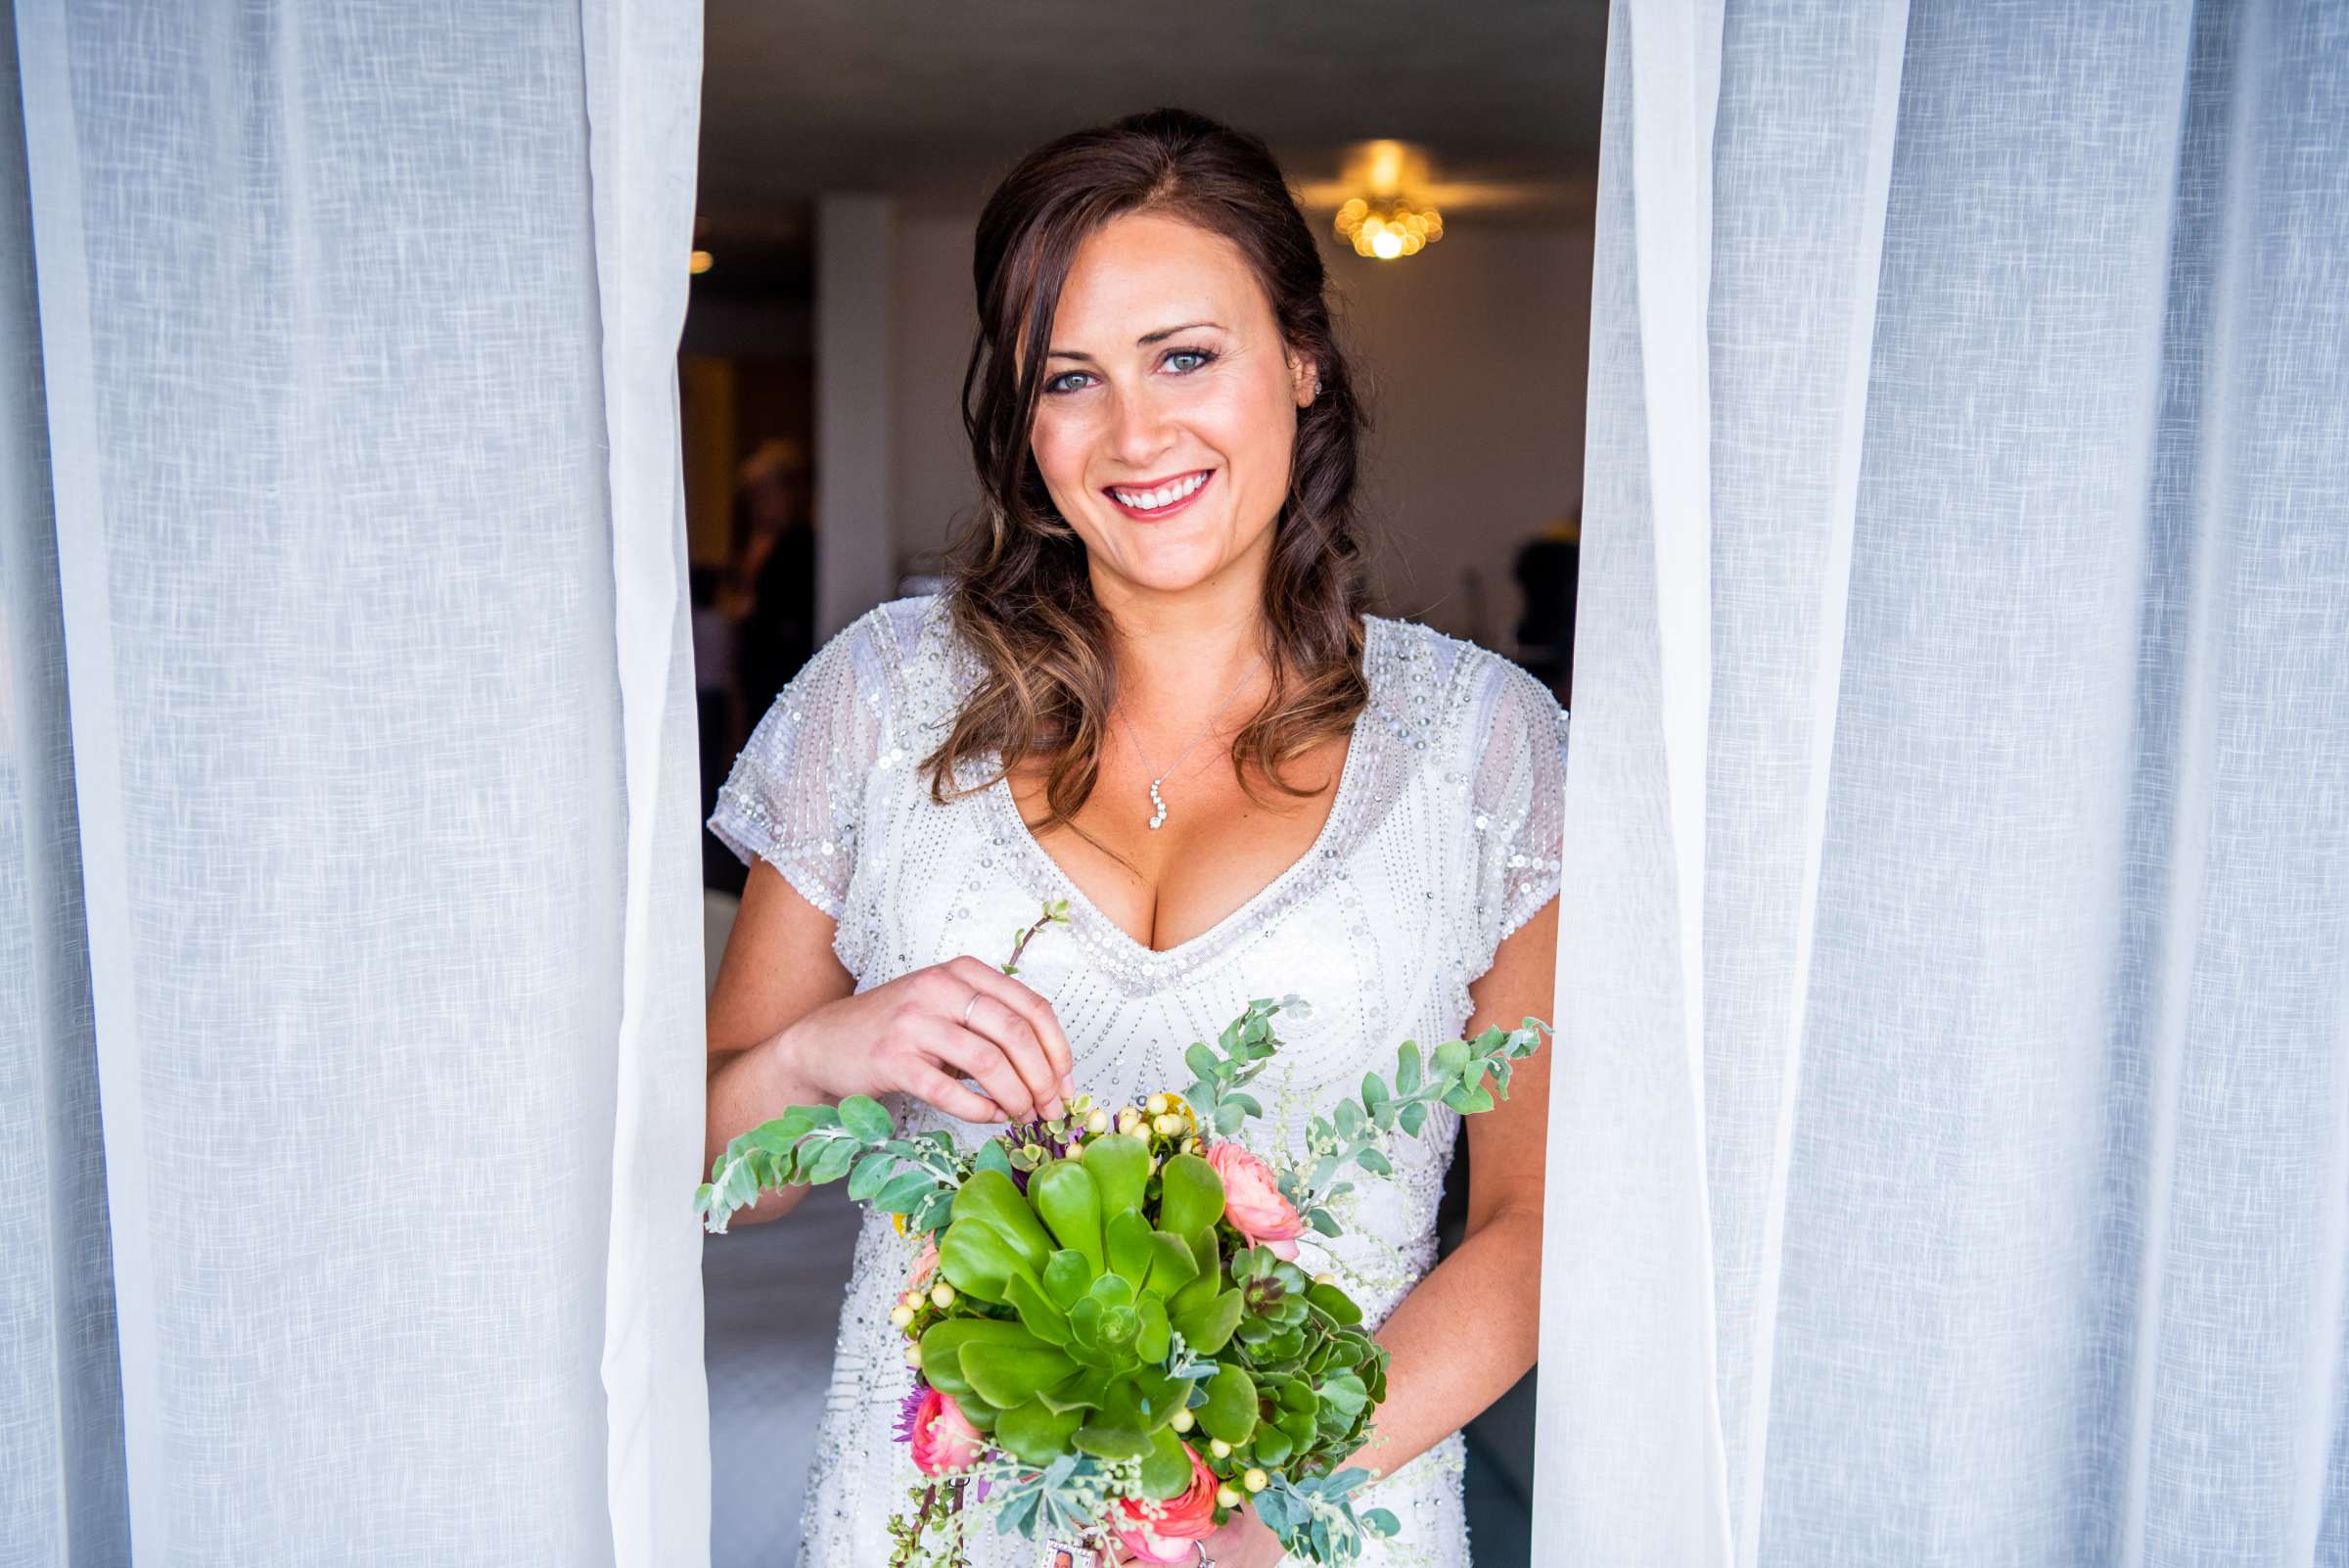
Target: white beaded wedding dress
point(1444, 837)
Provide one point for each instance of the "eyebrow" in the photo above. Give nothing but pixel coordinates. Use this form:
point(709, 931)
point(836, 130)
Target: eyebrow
point(1143, 341)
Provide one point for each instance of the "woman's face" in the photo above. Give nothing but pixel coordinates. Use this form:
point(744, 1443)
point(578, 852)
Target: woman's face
point(1167, 372)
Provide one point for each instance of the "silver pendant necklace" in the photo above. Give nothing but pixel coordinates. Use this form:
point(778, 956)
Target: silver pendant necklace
point(1158, 801)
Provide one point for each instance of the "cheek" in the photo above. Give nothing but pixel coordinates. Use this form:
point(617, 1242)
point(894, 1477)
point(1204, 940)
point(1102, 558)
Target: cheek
point(1059, 451)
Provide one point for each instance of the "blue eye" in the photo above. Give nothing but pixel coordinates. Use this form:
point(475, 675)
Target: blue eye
point(1205, 357)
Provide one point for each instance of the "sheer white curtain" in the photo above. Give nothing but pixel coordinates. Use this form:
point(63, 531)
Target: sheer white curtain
point(1950, 1134)
point(350, 952)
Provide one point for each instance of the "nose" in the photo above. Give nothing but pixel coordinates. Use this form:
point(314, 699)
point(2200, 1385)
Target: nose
point(1139, 431)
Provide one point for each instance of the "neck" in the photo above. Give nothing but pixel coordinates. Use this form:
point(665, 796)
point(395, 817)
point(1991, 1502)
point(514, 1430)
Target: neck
point(1181, 654)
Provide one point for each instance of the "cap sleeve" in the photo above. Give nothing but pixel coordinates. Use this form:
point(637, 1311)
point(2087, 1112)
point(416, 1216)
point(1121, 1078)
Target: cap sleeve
point(796, 795)
point(1517, 804)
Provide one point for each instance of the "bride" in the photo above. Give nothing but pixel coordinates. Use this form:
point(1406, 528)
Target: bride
point(1151, 689)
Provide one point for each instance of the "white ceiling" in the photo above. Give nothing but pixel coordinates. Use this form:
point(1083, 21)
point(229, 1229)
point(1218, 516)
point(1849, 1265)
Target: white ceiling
point(933, 100)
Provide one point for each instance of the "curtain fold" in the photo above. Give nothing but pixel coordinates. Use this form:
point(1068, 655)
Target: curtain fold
point(62, 1475)
point(2007, 491)
point(355, 355)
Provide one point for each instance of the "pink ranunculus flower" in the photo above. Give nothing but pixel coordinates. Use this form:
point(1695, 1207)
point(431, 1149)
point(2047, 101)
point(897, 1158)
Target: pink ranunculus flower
point(1187, 1516)
point(944, 1438)
point(924, 1261)
point(1252, 1200)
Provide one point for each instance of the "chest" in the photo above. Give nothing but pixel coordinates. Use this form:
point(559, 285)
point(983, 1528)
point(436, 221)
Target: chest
point(1168, 866)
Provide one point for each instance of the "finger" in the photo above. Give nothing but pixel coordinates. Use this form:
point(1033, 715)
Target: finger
point(935, 1087)
point(978, 1057)
point(1059, 1058)
point(1010, 1031)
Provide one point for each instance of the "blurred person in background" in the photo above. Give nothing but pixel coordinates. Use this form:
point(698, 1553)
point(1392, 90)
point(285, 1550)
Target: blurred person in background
point(771, 581)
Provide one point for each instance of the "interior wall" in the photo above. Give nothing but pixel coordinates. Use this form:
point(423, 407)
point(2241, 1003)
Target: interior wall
point(1474, 355)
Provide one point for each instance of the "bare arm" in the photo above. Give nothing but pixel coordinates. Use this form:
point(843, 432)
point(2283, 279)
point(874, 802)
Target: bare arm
point(777, 968)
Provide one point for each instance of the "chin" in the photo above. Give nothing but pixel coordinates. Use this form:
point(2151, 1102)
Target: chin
point(1173, 567)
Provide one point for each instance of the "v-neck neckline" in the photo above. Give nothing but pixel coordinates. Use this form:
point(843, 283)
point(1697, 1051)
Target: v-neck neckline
point(1155, 960)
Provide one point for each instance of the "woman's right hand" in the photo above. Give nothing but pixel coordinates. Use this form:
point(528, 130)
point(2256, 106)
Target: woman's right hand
point(925, 1031)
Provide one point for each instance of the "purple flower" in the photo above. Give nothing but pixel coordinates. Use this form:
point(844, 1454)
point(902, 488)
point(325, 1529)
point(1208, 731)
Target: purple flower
point(907, 1409)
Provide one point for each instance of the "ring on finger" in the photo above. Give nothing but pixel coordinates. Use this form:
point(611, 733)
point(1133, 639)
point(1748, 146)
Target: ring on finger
point(967, 1006)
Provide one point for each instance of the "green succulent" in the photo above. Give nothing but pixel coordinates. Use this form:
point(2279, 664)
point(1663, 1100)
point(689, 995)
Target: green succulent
point(1098, 1323)
point(1087, 1297)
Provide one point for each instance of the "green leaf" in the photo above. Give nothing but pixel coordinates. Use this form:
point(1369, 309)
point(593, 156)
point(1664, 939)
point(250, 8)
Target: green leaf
point(1111, 1442)
point(864, 1118)
point(931, 1213)
point(1228, 1117)
point(1034, 1434)
point(831, 1161)
point(1350, 1119)
point(1381, 1522)
point(1005, 1375)
point(1167, 1469)
point(1201, 1061)
point(1320, 1220)
point(1272, 1448)
point(1413, 1117)
point(992, 1156)
point(1450, 1057)
point(1066, 1278)
point(1230, 1412)
point(1374, 1091)
point(1406, 1068)
point(871, 1171)
point(906, 1191)
point(1369, 1159)
point(1335, 1302)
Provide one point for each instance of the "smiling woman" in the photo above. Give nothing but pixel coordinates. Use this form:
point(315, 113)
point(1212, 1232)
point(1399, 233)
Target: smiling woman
point(1163, 564)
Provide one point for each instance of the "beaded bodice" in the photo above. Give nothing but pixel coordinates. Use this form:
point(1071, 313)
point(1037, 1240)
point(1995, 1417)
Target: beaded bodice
point(1442, 837)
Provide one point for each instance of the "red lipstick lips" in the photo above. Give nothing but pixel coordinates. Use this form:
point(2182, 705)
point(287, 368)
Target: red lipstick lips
point(1171, 507)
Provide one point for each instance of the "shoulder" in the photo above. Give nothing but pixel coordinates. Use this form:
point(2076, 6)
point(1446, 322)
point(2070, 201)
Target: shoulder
point(1432, 679)
point(878, 653)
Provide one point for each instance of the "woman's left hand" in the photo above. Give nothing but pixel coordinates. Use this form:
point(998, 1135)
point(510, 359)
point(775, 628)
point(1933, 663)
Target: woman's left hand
point(1242, 1541)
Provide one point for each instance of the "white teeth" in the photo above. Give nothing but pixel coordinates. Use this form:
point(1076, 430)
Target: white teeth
point(1164, 495)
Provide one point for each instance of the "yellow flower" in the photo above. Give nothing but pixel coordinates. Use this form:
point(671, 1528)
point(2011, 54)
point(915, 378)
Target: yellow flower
point(898, 1221)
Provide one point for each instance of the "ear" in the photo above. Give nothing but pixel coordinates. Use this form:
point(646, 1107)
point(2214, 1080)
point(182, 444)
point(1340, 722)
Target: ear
point(1303, 373)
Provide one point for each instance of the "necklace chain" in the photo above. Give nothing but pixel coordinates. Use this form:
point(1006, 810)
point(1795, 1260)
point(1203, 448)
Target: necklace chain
point(1157, 800)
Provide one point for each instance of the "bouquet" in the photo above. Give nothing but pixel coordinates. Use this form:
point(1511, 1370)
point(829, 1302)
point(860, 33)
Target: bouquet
point(1107, 1330)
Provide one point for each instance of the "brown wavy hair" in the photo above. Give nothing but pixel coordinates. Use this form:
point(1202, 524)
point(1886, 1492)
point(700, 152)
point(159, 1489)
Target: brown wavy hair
point(1018, 590)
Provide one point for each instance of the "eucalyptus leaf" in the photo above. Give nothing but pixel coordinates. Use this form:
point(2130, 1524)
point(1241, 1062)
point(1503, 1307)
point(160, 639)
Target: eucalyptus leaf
point(905, 1191)
point(871, 1171)
point(865, 1119)
point(832, 1161)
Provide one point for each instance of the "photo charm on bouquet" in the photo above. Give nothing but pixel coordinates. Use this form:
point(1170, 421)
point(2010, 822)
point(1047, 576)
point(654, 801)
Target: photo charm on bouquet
point(1106, 1332)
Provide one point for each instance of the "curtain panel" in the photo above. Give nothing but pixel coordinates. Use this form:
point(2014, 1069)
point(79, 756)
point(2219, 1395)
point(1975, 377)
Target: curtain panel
point(350, 988)
point(1949, 1140)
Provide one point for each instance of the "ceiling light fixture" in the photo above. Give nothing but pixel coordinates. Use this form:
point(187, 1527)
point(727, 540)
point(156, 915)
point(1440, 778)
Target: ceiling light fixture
point(1386, 223)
